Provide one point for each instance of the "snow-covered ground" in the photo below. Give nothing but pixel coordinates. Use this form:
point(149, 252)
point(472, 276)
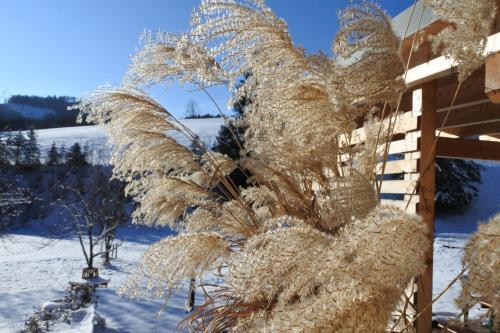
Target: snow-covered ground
point(35, 269)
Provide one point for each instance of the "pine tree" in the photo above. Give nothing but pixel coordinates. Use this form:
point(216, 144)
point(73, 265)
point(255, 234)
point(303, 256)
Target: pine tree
point(19, 151)
point(53, 157)
point(32, 150)
point(230, 136)
point(456, 182)
point(5, 152)
point(75, 156)
point(63, 153)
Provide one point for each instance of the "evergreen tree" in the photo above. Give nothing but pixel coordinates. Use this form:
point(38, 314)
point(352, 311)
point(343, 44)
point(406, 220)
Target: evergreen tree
point(228, 134)
point(75, 156)
point(32, 150)
point(230, 137)
point(53, 157)
point(5, 152)
point(456, 182)
point(63, 154)
point(18, 144)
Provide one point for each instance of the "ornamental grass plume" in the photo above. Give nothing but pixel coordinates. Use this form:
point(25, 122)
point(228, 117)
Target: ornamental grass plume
point(305, 247)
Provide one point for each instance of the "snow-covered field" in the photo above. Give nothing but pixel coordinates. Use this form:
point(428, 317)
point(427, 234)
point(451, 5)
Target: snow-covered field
point(35, 268)
point(95, 136)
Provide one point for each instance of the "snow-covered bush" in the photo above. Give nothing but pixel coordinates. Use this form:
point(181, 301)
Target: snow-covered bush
point(76, 309)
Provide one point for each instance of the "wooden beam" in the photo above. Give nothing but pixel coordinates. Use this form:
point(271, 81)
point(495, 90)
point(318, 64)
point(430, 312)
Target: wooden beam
point(496, 28)
point(405, 123)
point(481, 112)
point(471, 90)
point(397, 186)
point(492, 78)
point(426, 190)
point(468, 149)
point(489, 138)
point(442, 66)
point(475, 130)
point(398, 166)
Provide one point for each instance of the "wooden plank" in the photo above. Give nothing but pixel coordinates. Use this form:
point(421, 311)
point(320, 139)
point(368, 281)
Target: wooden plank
point(468, 149)
point(401, 146)
point(444, 134)
point(475, 130)
point(471, 115)
point(401, 204)
point(426, 190)
point(398, 166)
point(397, 186)
point(496, 28)
point(443, 66)
point(405, 123)
point(471, 90)
point(413, 155)
point(409, 144)
point(489, 138)
point(463, 105)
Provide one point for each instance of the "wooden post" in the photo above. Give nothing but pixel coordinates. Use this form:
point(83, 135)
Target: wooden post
point(427, 189)
point(492, 78)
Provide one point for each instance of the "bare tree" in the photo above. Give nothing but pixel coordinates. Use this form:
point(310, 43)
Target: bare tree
point(88, 231)
point(106, 203)
point(192, 109)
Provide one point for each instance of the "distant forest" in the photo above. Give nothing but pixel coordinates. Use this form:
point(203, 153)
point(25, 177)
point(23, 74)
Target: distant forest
point(59, 115)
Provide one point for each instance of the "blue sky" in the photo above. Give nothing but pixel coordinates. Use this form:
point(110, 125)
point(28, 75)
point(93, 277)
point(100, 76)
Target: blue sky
point(68, 47)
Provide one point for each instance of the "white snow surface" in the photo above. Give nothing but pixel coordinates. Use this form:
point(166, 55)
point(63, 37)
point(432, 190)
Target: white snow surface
point(37, 268)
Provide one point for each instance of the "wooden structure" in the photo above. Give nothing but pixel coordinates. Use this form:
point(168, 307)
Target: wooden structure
point(470, 129)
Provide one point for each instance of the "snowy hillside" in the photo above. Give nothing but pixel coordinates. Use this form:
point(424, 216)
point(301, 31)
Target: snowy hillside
point(95, 136)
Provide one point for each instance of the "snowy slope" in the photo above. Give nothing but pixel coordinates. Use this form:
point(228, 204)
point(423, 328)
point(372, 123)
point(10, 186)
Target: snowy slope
point(95, 136)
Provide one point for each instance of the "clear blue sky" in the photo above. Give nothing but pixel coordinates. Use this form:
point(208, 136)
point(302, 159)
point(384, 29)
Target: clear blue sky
point(68, 47)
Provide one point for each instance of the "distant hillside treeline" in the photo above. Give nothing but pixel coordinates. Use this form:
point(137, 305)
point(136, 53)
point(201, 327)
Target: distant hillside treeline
point(22, 112)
